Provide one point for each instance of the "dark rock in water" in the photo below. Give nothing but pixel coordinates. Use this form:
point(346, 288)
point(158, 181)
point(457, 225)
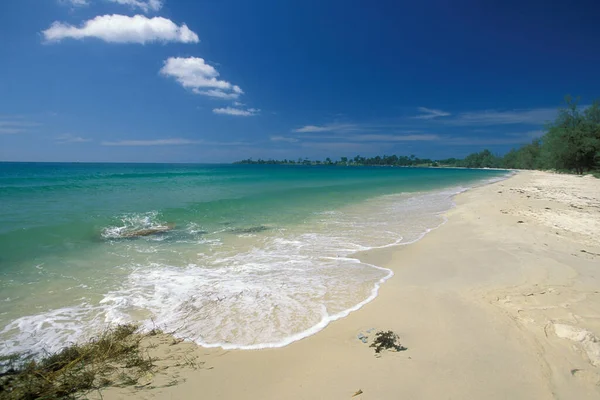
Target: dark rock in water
point(252, 229)
point(148, 231)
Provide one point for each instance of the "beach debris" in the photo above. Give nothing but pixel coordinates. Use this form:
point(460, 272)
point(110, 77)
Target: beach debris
point(358, 392)
point(520, 222)
point(387, 341)
point(365, 337)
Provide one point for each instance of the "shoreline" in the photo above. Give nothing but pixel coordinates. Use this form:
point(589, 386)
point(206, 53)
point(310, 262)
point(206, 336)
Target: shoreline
point(447, 195)
point(491, 304)
point(355, 258)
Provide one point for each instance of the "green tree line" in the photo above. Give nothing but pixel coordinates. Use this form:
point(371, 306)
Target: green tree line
point(393, 160)
point(571, 143)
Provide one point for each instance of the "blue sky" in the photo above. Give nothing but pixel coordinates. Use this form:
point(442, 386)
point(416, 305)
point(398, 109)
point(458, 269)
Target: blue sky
point(217, 81)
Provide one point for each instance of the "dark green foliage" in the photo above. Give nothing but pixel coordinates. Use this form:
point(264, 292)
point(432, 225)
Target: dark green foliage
point(573, 140)
point(572, 144)
point(112, 357)
point(527, 157)
point(484, 159)
point(387, 341)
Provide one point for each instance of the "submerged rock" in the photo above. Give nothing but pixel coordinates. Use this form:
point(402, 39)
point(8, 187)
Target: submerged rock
point(252, 229)
point(147, 231)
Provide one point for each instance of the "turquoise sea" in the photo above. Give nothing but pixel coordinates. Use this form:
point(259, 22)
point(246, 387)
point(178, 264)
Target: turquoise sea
point(259, 256)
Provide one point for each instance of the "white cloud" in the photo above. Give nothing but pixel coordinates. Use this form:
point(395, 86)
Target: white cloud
point(536, 116)
point(68, 138)
point(340, 146)
point(156, 142)
point(170, 142)
point(220, 94)
point(10, 125)
point(146, 6)
point(326, 128)
point(283, 139)
point(123, 29)
point(430, 113)
point(238, 104)
point(10, 130)
point(238, 112)
point(75, 3)
point(195, 74)
point(425, 137)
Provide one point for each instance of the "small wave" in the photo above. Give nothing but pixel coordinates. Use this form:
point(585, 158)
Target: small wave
point(49, 331)
point(326, 213)
point(136, 224)
point(195, 229)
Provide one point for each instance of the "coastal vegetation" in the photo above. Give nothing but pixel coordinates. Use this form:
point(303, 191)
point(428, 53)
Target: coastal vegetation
point(393, 160)
point(113, 358)
point(571, 143)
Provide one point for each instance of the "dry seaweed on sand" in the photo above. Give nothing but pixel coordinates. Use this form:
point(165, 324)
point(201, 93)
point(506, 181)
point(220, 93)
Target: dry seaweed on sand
point(112, 358)
point(386, 341)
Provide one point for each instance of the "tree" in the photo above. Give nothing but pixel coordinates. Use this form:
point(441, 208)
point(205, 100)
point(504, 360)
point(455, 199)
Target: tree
point(527, 157)
point(573, 140)
point(483, 159)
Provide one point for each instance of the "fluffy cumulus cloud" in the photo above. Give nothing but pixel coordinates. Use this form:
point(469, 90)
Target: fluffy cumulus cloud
point(237, 112)
point(146, 6)
point(123, 29)
point(195, 74)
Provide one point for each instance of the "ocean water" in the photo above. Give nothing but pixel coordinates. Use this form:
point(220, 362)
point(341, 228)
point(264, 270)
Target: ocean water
point(258, 256)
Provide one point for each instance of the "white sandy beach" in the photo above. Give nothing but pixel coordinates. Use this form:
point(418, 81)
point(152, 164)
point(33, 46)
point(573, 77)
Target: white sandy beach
point(501, 302)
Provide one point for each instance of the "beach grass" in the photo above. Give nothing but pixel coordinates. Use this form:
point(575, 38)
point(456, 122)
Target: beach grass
point(113, 358)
